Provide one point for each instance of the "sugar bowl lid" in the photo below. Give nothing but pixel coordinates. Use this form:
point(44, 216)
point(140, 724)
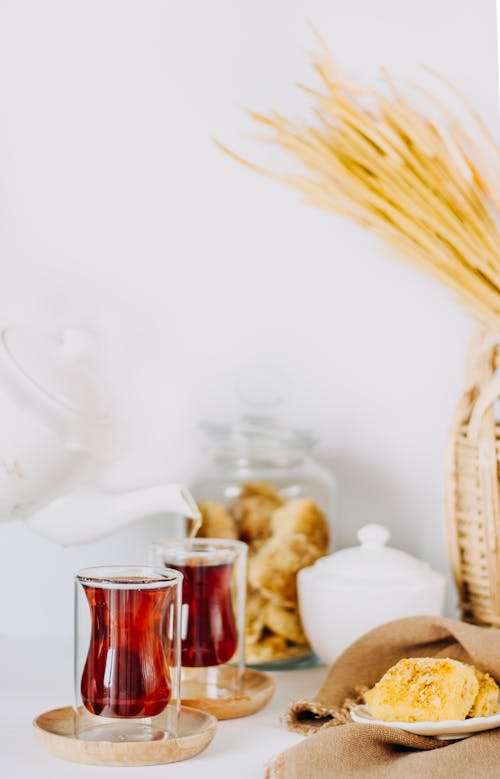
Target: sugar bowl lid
point(372, 562)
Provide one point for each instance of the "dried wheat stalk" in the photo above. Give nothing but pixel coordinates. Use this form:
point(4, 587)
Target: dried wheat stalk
point(410, 176)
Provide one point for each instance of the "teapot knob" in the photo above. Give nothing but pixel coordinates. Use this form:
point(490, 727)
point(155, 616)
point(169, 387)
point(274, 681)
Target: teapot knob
point(373, 536)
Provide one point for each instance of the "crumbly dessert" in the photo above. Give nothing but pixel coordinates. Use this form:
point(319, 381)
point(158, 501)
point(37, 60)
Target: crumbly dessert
point(430, 689)
point(486, 702)
point(283, 537)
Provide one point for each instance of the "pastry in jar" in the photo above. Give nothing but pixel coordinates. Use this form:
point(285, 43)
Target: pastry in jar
point(253, 510)
point(216, 521)
point(284, 621)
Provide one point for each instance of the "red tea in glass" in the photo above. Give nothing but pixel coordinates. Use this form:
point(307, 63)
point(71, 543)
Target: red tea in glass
point(209, 633)
point(126, 672)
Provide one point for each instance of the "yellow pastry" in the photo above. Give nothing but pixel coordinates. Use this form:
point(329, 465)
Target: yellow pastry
point(424, 689)
point(486, 702)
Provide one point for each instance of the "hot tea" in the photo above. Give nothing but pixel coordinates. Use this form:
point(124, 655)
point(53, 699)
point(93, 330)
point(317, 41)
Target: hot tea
point(209, 632)
point(126, 672)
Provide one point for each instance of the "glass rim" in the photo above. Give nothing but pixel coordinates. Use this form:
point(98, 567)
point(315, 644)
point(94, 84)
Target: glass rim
point(190, 543)
point(128, 577)
point(201, 550)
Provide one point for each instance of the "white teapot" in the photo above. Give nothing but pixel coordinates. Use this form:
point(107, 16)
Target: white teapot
point(54, 440)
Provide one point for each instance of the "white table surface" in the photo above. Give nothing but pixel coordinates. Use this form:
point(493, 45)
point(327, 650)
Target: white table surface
point(36, 675)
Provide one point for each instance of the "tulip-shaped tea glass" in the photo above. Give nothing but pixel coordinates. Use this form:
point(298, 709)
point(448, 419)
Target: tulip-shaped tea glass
point(127, 653)
point(213, 613)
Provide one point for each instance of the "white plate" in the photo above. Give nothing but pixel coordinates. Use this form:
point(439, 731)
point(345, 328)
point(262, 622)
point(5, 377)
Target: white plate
point(446, 729)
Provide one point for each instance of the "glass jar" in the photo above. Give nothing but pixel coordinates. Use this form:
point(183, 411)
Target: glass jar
point(261, 483)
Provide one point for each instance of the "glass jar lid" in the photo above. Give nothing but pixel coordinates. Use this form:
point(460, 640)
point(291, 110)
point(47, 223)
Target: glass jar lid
point(255, 437)
point(256, 427)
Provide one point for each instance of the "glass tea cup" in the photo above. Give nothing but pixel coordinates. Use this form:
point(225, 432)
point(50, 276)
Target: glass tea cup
point(213, 613)
point(127, 653)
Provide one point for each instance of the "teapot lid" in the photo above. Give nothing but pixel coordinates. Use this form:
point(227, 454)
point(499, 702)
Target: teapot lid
point(56, 366)
point(373, 561)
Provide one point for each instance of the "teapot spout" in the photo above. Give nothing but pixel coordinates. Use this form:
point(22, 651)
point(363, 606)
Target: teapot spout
point(167, 498)
point(87, 515)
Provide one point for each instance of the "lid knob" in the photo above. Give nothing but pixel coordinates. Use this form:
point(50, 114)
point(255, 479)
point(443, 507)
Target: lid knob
point(262, 386)
point(373, 536)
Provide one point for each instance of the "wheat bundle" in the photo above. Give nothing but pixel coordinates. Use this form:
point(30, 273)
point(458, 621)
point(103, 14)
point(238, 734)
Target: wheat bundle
point(418, 179)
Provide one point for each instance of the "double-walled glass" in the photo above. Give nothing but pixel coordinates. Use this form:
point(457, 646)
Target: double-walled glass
point(127, 653)
point(213, 613)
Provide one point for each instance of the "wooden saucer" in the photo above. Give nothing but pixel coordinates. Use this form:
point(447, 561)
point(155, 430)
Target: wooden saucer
point(226, 695)
point(55, 730)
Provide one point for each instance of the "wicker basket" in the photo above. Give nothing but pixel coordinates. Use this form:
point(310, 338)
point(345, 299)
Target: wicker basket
point(472, 487)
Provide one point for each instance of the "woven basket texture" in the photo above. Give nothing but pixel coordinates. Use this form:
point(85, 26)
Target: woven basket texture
point(472, 486)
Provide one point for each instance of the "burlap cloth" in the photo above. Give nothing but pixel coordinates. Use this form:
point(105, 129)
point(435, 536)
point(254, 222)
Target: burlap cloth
point(376, 752)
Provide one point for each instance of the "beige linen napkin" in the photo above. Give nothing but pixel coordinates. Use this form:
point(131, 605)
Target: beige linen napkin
point(355, 751)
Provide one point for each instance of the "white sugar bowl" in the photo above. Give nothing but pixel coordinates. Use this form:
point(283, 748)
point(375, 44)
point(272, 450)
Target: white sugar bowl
point(352, 591)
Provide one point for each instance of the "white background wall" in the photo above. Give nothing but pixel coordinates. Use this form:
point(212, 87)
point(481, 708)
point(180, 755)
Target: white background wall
point(117, 211)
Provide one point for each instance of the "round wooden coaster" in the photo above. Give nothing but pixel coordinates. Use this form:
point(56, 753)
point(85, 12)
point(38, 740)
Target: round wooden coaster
point(55, 730)
point(227, 695)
